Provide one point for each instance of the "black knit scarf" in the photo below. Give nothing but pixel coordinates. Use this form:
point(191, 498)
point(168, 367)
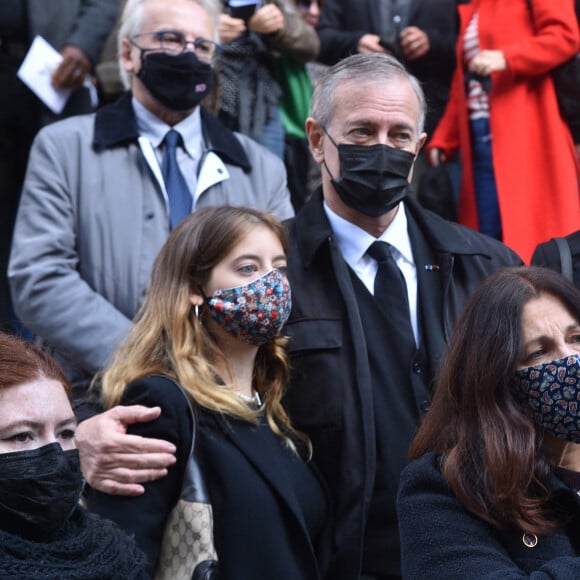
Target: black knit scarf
point(88, 548)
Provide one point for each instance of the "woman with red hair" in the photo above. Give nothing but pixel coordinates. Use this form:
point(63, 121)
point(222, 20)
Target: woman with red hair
point(44, 533)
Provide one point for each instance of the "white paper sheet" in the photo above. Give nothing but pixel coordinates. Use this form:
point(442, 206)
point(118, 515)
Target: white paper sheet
point(36, 71)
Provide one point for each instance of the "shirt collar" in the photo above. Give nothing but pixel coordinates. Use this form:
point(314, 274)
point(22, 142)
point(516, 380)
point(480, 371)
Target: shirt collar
point(397, 234)
point(354, 241)
point(154, 129)
point(116, 126)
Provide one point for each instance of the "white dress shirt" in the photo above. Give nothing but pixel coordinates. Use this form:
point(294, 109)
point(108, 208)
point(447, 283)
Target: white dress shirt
point(152, 131)
point(354, 243)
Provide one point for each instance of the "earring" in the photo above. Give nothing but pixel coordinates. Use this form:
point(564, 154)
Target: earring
point(196, 311)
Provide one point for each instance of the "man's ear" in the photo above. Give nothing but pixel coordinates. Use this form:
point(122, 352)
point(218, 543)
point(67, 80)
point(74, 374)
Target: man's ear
point(315, 135)
point(125, 55)
point(420, 143)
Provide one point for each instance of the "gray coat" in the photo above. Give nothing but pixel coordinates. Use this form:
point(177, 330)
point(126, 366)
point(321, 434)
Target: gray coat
point(84, 23)
point(93, 217)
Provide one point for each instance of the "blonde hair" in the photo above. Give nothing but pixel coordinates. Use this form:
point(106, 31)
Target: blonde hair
point(169, 338)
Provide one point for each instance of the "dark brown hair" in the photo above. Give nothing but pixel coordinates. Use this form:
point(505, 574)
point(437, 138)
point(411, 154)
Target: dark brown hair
point(491, 452)
point(22, 362)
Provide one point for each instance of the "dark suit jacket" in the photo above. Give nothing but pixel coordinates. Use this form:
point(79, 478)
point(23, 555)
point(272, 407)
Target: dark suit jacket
point(343, 22)
point(83, 23)
point(260, 530)
point(441, 540)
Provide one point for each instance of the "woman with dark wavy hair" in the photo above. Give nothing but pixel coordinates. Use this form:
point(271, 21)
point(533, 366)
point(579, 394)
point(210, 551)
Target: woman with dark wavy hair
point(492, 491)
point(211, 323)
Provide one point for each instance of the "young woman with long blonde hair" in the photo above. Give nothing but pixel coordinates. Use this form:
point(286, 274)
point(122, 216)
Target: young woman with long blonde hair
point(211, 322)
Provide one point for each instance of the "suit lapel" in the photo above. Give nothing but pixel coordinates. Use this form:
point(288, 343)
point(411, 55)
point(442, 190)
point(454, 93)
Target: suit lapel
point(265, 459)
point(429, 283)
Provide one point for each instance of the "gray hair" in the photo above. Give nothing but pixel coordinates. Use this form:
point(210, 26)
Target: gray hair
point(367, 69)
point(132, 21)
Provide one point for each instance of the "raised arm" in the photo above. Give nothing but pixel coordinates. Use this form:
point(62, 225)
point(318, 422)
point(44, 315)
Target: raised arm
point(296, 38)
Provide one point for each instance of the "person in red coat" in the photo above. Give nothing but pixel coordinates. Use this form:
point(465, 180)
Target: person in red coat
point(520, 171)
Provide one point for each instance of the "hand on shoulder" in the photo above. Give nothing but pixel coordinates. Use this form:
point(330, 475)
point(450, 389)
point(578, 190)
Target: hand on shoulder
point(115, 462)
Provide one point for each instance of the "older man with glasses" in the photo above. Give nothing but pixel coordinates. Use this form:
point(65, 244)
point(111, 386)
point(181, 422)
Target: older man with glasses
point(103, 191)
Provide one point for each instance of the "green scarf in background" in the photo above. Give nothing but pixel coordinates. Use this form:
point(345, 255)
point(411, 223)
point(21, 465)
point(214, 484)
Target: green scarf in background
point(294, 81)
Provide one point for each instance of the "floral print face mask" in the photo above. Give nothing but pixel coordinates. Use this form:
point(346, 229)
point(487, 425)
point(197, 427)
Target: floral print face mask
point(255, 312)
point(550, 394)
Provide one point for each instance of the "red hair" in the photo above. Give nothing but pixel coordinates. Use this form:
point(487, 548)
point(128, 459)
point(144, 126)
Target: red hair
point(22, 362)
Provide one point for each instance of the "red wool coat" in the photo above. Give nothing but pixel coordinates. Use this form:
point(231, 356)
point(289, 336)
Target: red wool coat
point(536, 169)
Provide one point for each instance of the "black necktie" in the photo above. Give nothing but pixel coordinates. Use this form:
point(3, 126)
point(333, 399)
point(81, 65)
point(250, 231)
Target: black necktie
point(391, 289)
point(178, 193)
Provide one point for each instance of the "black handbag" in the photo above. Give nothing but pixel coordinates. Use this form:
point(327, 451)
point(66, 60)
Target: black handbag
point(566, 79)
point(187, 550)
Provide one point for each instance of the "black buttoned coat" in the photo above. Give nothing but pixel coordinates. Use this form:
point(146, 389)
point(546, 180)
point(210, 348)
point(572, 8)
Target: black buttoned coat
point(440, 539)
point(330, 397)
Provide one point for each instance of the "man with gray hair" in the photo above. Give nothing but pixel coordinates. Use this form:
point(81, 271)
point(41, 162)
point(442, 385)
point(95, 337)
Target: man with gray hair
point(377, 284)
point(103, 191)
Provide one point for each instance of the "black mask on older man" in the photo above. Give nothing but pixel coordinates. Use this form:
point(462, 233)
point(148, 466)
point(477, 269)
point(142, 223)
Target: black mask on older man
point(39, 490)
point(373, 178)
point(178, 81)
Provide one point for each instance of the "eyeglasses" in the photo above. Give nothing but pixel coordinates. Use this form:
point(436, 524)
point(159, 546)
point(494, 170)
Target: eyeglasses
point(307, 3)
point(175, 42)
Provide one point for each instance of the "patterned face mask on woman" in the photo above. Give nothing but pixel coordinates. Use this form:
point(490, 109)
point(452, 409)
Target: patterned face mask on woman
point(550, 394)
point(255, 312)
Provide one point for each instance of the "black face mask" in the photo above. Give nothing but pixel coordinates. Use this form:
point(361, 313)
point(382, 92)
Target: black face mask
point(39, 490)
point(178, 81)
point(373, 178)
